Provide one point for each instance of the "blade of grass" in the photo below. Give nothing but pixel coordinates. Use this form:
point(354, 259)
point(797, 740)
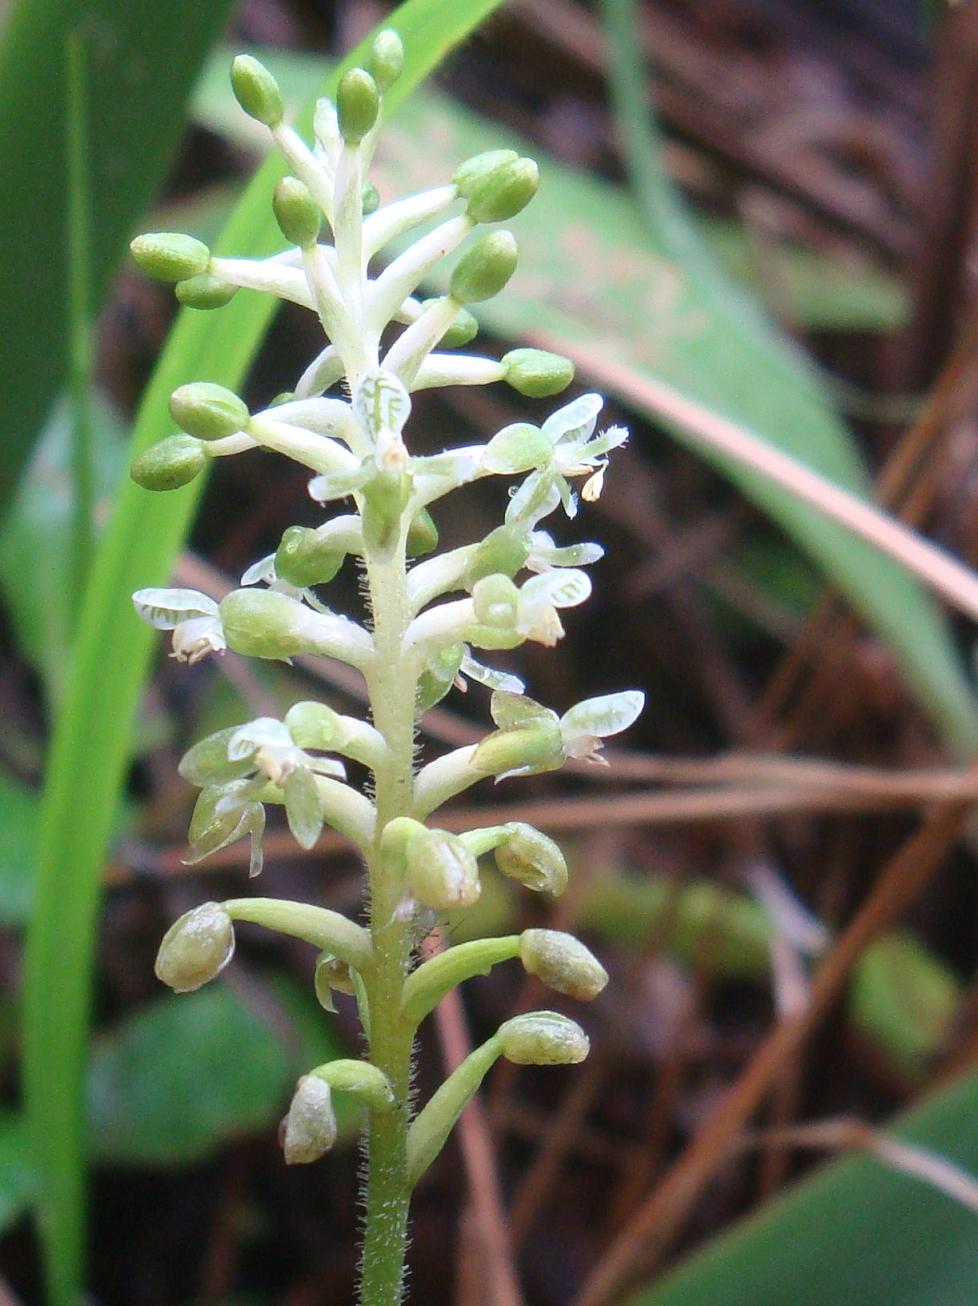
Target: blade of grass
point(78, 301)
point(111, 659)
point(141, 61)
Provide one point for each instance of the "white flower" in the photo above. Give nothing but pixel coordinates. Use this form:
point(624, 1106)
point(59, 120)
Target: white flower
point(193, 617)
point(541, 596)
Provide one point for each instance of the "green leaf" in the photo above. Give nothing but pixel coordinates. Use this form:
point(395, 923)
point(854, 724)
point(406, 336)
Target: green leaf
point(37, 570)
point(109, 667)
point(856, 1232)
point(19, 808)
point(139, 66)
point(183, 1076)
point(16, 1176)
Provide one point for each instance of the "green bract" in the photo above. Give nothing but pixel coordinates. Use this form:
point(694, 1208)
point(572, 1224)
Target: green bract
point(345, 416)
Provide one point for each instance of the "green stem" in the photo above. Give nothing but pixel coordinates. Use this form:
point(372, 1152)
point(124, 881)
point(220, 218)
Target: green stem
point(393, 685)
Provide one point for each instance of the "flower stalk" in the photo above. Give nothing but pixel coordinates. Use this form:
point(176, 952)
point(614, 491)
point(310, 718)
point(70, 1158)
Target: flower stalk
point(415, 641)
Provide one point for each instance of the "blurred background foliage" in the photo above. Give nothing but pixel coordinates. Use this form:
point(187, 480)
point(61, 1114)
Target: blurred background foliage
point(770, 208)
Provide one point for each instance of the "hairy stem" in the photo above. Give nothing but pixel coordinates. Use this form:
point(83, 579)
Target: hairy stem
point(392, 685)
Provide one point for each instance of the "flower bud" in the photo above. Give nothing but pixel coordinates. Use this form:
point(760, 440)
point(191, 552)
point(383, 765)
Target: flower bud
point(495, 599)
point(369, 199)
point(563, 963)
point(471, 172)
point(537, 373)
point(503, 551)
point(505, 191)
point(256, 90)
point(304, 558)
point(309, 1129)
point(208, 411)
point(442, 873)
point(170, 255)
point(422, 536)
point(205, 291)
point(296, 213)
point(464, 329)
point(483, 270)
point(169, 464)
point(386, 59)
point(543, 1038)
point(196, 948)
point(263, 623)
point(357, 104)
point(525, 750)
point(532, 859)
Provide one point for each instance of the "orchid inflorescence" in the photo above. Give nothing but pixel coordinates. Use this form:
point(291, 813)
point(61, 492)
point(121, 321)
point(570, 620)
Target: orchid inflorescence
point(419, 642)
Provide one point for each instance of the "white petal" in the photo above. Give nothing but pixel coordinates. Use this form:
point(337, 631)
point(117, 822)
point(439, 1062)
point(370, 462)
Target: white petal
point(263, 732)
point(489, 676)
point(575, 421)
point(381, 402)
point(562, 588)
point(262, 570)
point(167, 608)
point(606, 715)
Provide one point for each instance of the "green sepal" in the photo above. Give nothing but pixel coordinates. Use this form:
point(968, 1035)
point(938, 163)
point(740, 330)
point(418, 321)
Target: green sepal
point(369, 199)
point(484, 269)
point(207, 762)
point(504, 552)
point(357, 104)
point(169, 464)
point(468, 174)
point(385, 497)
point(256, 90)
point(303, 809)
point(296, 212)
point(205, 291)
point(438, 676)
point(385, 61)
point(422, 536)
point(537, 373)
point(505, 191)
point(170, 255)
point(303, 558)
point(208, 411)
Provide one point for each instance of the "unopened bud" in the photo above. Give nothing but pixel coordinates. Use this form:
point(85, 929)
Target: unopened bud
point(208, 411)
point(309, 1129)
point(170, 255)
point(169, 464)
point(385, 498)
point(563, 963)
point(537, 373)
point(196, 948)
point(543, 1038)
point(463, 330)
point(386, 59)
point(205, 291)
point(503, 551)
point(357, 104)
point(296, 213)
point(495, 599)
point(263, 623)
point(525, 750)
point(422, 536)
point(442, 873)
point(471, 172)
point(483, 270)
point(304, 558)
point(532, 859)
point(256, 90)
point(504, 192)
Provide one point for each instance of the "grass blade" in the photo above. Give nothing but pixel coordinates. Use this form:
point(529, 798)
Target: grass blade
point(111, 659)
